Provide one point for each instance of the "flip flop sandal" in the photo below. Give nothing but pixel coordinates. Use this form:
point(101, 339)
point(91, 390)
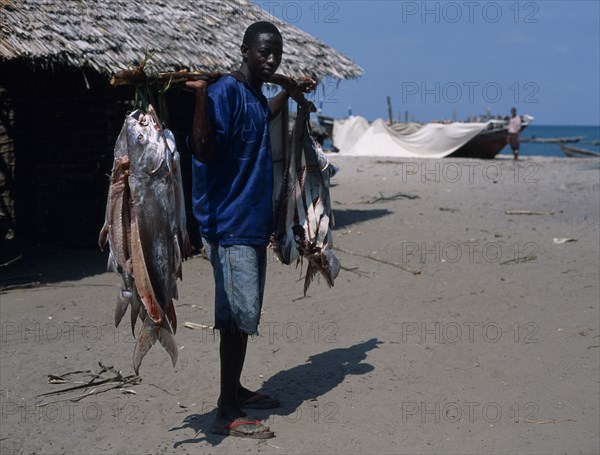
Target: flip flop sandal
point(244, 427)
point(260, 401)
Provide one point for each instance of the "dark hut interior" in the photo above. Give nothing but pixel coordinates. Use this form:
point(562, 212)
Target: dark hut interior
point(63, 122)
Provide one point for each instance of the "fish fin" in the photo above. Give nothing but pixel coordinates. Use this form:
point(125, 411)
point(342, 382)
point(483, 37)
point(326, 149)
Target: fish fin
point(123, 300)
point(136, 307)
point(329, 266)
point(334, 266)
point(311, 272)
point(186, 244)
point(177, 261)
point(175, 291)
point(171, 316)
point(322, 231)
point(177, 267)
point(103, 237)
point(145, 341)
point(112, 265)
point(166, 338)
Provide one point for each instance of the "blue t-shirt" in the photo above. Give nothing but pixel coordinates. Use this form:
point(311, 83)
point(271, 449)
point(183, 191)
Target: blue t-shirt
point(232, 193)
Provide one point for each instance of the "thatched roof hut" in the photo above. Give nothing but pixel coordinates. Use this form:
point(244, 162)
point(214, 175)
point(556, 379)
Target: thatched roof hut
point(106, 35)
point(59, 117)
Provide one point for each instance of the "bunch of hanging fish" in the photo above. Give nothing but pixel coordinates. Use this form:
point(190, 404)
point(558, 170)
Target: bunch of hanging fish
point(145, 227)
point(303, 214)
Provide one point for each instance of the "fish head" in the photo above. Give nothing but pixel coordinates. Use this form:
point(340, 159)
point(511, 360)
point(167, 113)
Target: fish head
point(146, 144)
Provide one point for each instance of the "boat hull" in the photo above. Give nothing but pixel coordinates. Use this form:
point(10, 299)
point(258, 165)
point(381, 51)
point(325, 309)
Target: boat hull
point(486, 145)
point(573, 152)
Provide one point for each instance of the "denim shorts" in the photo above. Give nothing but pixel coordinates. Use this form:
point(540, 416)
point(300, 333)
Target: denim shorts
point(239, 272)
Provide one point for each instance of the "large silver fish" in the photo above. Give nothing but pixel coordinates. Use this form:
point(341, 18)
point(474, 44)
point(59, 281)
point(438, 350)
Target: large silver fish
point(303, 215)
point(145, 227)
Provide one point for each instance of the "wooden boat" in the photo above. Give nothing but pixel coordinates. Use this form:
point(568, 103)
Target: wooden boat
point(552, 140)
point(574, 152)
point(486, 145)
point(491, 141)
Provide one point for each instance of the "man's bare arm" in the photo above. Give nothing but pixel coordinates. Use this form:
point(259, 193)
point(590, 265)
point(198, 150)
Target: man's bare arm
point(202, 139)
point(305, 84)
point(277, 102)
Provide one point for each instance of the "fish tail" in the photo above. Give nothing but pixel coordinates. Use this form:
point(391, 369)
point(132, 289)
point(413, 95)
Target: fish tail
point(136, 307)
point(166, 338)
point(171, 316)
point(145, 341)
point(148, 335)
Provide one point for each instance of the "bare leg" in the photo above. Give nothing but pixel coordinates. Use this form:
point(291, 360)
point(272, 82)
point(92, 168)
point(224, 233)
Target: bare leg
point(231, 420)
point(233, 353)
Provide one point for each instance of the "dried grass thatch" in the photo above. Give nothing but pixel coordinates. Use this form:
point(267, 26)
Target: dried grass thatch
point(108, 35)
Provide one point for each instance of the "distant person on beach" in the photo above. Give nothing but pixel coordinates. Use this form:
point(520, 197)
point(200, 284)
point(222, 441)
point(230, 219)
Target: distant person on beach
point(232, 197)
point(514, 128)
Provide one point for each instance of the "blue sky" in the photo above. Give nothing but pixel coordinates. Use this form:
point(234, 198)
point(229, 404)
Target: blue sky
point(467, 57)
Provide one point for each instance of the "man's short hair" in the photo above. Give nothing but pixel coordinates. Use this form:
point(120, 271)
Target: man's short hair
point(258, 28)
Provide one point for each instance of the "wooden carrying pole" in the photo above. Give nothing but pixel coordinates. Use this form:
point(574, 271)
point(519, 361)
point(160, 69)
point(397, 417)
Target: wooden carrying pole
point(137, 76)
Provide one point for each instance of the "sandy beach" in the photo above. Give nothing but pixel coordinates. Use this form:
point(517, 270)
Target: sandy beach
point(465, 321)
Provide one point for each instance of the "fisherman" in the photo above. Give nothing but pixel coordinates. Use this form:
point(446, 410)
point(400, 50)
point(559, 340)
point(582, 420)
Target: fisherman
point(514, 127)
point(232, 195)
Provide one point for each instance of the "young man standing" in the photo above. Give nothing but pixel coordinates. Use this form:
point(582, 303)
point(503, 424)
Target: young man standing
point(232, 199)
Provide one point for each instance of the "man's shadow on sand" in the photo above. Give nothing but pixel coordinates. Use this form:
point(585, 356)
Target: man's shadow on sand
point(317, 376)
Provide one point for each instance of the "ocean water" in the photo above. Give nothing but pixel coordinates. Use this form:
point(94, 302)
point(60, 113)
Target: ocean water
point(589, 134)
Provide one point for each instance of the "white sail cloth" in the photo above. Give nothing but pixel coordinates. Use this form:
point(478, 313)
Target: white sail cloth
point(354, 136)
